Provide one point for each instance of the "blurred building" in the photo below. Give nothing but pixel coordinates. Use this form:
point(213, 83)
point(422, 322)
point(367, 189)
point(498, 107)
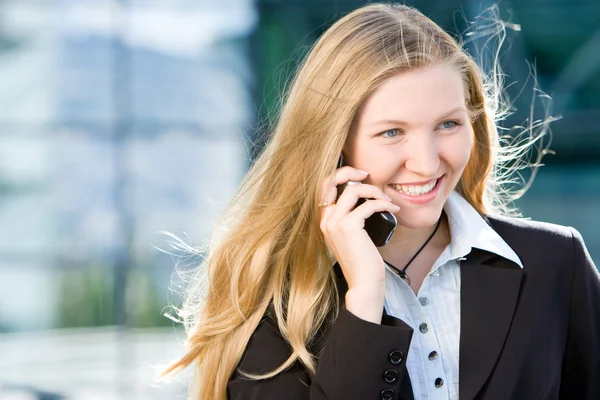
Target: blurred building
point(118, 120)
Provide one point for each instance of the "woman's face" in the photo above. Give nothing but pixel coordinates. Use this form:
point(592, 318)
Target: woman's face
point(414, 137)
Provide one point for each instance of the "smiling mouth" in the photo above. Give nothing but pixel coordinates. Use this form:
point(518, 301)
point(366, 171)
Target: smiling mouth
point(415, 190)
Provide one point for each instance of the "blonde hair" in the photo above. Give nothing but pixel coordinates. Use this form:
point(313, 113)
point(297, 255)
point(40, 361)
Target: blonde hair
point(268, 249)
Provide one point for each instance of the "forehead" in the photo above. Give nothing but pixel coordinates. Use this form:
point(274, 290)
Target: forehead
point(415, 96)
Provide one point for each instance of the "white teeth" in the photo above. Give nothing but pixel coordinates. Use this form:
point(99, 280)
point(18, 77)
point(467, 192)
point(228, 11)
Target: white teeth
point(415, 190)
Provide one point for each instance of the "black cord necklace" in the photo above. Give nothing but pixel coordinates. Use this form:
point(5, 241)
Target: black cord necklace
point(402, 273)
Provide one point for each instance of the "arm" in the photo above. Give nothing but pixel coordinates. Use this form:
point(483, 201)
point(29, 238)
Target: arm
point(351, 366)
point(581, 362)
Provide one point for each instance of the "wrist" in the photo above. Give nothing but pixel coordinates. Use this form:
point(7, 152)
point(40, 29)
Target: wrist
point(366, 303)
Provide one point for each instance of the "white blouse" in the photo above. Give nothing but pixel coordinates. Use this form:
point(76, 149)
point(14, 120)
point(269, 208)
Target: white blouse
point(434, 314)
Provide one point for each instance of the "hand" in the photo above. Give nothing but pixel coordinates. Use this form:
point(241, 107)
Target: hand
point(343, 228)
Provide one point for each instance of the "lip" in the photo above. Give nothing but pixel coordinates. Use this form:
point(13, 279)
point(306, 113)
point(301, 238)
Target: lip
point(424, 198)
point(420, 183)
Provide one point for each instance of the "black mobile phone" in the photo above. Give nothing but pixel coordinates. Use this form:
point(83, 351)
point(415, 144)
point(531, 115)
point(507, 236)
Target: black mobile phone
point(380, 226)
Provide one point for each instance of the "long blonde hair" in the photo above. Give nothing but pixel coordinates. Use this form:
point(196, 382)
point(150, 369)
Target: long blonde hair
point(268, 249)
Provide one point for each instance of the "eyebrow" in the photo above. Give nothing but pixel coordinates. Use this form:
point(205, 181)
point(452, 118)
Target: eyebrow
point(398, 122)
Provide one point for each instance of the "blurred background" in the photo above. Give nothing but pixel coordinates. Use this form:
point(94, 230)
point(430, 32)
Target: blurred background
point(122, 119)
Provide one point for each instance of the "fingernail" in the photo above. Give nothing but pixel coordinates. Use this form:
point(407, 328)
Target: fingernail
point(363, 172)
point(396, 207)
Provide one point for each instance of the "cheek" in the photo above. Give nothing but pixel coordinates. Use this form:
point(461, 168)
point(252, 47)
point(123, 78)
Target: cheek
point(458, 151)
point(363, 155)
point(468, 147)
point(464, 154)
point(380, 161)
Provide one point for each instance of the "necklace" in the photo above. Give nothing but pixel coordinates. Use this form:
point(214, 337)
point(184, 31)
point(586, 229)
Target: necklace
point(402, 273)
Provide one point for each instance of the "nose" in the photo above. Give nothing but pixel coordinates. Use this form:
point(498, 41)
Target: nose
point(423, 156)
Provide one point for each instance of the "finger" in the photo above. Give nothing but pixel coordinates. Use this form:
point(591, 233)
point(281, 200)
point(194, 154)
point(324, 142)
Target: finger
point(330, 193)
point(340, 176)
point(348, 202)
point(355, 220)
point(345, 174)
point(370, 207)
point(351, 194)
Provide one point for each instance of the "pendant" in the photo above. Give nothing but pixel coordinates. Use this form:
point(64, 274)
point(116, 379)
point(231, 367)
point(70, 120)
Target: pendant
point(405, 278)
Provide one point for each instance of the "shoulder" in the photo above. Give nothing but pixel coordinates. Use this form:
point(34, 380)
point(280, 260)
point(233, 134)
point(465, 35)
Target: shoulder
point(267, 349)
point(550, 253)
point(539, 242)
point(514, 229)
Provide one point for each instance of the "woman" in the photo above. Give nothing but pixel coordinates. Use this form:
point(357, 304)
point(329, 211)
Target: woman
point(461, 300)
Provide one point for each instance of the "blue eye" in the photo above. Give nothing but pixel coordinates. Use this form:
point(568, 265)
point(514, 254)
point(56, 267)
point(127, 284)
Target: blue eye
point(449, 124)
point(392, 133)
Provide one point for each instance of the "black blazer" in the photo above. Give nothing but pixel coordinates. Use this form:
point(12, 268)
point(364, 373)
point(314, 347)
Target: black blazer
point(531, 333)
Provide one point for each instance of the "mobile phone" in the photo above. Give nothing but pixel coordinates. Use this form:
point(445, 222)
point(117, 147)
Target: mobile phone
point(381, 225)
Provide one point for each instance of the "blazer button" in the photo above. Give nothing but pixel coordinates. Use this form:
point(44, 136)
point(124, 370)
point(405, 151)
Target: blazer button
point(387, 394)
point(390, 376)
point(396, 357)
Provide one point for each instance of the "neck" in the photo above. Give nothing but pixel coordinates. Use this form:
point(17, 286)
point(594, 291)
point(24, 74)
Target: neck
point(406, 241)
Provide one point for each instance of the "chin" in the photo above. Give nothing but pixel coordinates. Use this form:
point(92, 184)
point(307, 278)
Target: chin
point(417, 219)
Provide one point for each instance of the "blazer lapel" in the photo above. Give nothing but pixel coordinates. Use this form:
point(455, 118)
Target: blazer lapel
point(490, 288)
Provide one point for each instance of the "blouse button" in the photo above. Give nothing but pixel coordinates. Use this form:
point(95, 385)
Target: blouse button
point(423, 328)
point(424, 301)
point(439, 382)
point(433, 355)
